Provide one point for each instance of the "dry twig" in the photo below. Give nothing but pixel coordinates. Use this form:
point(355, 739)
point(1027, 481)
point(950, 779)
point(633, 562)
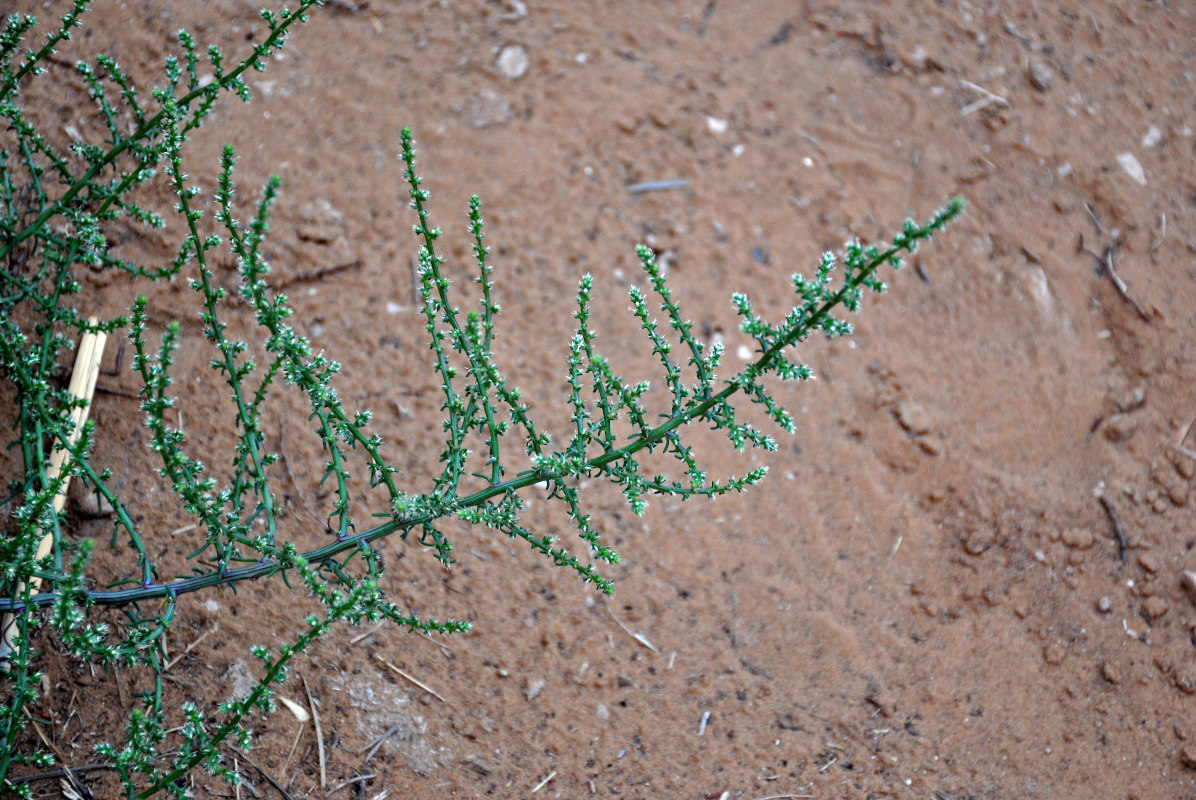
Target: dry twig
point(414, 680)
point(262, 772)
point(315, 717)
point(1122, 545)
point(987, 98)
point(639, 637)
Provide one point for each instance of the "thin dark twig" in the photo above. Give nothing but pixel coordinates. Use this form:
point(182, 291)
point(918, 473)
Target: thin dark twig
point(357, 779)
point(1105, 265)
point(1122, 545)
point(59, 773)
point(105, 389)
point(322, 272)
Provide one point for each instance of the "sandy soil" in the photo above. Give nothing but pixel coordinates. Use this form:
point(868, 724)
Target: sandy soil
point(926, 598)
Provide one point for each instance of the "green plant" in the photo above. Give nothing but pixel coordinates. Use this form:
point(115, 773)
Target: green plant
point(55, 207)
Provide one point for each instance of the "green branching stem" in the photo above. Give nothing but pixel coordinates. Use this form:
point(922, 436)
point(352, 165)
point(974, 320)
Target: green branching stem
point(152, 126)
point(697, 410)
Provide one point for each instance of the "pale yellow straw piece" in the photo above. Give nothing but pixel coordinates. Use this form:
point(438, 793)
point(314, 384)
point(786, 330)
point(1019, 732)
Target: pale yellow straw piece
point(83, 387)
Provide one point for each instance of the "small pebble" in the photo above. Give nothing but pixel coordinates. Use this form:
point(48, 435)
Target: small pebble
point(1104, 605)
point(931, 447)
point(1186, 467)
point(1154, 607)
point(1054, 653)
point(1079, 538)
point(513, 61)
point(1120, 427)
point(978, 541)
point(716, 125)
point(91, 504)
point(1187, 579)
point(1109, 672)
point(1187, 756)
point(534, 687)
point(1152, 136)
point(1149, 562)
point(1039, 75)
point(1132, 167)
point(1132, 400)
point(912, 417)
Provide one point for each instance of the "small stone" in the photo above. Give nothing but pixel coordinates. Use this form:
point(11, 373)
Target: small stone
point(930, 446)
point(1186, 682)
point(1154, 607)
point(918, 59)
point(1039, 75)
point(1149, 562)
point(534, 687)
point(1079, 538)
point(1132, 400)
point(478, 765)
point(1187, 756)
point(912, 417)
point(320, 212)
point(661, 119)
point(1129, 162)
point(1178, 495)
point(716, 125)
point(789, 722)
point(319, 222)
point(1109, 672)
point(92, 504)
point(1187, 579)
point(317, 234)
point(513, 61)
point(1120, 427)
point(603, 712)
point(1054, 653)
point(1104, 605)
point(627, 124)
point(978, 541)
point(1186, 467)
point(1152, 136)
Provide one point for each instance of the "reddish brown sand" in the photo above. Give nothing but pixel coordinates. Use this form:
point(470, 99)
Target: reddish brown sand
point(925, 599)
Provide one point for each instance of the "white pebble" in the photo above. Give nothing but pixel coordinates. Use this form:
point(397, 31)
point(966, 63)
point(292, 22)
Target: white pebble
point(716, 125)
point(1132, 167)
point(512, 61)
point(744, 353)
point(1152, 137)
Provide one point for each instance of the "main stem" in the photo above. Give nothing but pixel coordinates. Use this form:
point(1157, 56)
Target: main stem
point(268, 566)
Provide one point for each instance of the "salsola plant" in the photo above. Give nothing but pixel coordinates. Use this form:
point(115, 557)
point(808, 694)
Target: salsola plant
point(55, 205)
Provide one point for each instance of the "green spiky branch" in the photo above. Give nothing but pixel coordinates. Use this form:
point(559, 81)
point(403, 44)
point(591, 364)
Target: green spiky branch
point(494, 449)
